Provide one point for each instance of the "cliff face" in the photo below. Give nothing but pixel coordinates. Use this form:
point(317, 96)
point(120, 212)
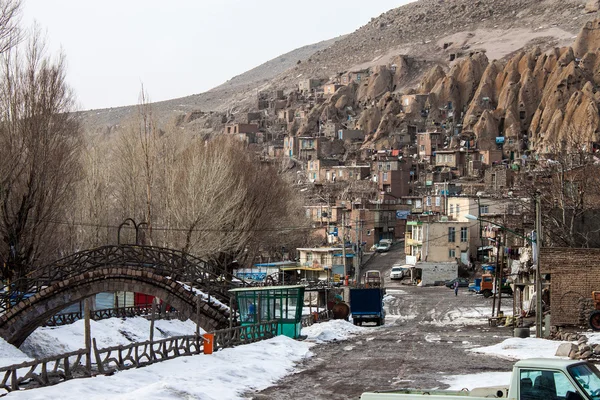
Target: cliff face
point(537, 100)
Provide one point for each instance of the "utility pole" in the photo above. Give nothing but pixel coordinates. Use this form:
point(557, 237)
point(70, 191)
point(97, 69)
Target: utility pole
point(501, 262)
point(538, 274)
point(357, 254)
point(496, 273)
point(344, 242)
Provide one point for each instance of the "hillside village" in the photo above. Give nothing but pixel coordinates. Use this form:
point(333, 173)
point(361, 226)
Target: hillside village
point(482, 140)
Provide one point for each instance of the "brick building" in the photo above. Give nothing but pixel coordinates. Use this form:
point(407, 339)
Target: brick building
point(575, 273)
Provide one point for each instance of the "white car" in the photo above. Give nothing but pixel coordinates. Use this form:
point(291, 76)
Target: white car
point(398, 273)
point(383, 245)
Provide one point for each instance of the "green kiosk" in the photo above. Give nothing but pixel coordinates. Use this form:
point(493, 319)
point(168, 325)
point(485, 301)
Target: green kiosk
point(281, 303)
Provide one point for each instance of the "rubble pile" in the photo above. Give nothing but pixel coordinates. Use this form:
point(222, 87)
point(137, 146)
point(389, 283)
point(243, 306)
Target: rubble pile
point(578, 348)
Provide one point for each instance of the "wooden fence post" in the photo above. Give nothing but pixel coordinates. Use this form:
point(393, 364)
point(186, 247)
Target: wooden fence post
point(88, 335)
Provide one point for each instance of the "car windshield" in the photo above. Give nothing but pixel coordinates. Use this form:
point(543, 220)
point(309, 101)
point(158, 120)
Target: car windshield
point(397, 269)
point(588, 378)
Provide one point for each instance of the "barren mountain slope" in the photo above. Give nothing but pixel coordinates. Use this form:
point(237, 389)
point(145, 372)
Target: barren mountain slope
point(419, 30)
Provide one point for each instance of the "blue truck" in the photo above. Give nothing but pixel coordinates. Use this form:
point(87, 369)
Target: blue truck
point(366, 305)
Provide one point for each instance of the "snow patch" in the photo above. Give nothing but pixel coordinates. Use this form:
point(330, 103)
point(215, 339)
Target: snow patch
point(336, 329)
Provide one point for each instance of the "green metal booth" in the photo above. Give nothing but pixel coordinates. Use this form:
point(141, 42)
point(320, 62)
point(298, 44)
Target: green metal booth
point(263, 304)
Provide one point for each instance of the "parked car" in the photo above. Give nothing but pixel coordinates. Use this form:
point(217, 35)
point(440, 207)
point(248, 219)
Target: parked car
point(462, 282)
point(398, 273)
point(383, 246)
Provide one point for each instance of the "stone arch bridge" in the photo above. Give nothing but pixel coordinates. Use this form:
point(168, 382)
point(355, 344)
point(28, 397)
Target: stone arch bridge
point(151, 270)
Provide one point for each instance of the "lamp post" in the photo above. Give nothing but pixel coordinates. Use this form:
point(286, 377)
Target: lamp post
point(535, 242)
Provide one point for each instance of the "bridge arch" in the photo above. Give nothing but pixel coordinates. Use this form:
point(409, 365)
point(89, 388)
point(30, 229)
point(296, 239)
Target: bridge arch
point(18, 322)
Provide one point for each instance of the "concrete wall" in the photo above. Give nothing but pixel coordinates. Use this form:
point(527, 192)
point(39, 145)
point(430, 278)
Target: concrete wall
point(437, 272)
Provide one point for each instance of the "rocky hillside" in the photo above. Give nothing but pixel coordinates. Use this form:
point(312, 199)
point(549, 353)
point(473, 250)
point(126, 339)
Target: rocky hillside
point(418, 36)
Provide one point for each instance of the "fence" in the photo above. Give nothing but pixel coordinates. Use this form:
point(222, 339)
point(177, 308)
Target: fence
point(78, 364)
point(308, 320)
point(119, 312)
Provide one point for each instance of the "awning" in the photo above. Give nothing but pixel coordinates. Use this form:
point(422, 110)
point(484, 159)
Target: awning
point(302, 269)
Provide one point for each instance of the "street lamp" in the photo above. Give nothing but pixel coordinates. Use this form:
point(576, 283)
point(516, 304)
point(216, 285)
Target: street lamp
point(538, 277)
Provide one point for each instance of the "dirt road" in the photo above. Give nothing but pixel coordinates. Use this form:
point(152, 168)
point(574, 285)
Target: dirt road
point(427, 335)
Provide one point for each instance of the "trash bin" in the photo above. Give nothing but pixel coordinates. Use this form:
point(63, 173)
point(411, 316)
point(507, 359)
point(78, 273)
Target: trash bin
point(209, 339)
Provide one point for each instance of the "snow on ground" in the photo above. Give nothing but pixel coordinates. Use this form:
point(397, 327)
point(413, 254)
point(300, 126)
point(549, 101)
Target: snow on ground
point(458, 382)
point(512, 348)
point(336, 329)
point(225, 374)
point(520, 348)
point(50, 341)
point(9, 354)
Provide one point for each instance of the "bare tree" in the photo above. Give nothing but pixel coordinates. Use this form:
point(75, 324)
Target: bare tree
point(39, 145)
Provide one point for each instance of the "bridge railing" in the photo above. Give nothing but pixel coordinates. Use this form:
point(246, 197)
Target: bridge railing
point(96, 315)
point(79, 364)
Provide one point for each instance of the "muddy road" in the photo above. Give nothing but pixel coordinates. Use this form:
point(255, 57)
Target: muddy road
point(427, 335)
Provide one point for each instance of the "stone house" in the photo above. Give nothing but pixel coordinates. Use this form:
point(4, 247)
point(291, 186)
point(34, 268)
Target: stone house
point(286, 115)
point(309, 147)
point(316, 169)
point(395, 177)
point(345, 173)
point(330, 129)
point(331, 88)
point(498, 178)
point(357, 76)
point(240, 128)
point(428, 143)
point(306, 86)
point(351, 134)
point(290, 146)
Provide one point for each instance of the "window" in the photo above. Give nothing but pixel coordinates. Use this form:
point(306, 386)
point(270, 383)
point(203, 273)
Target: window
point(464, 235)
point(388, 166)
point(309, 257)
point(418, 204)
point(385, 176)
point(308, 213)
point(422, 147)
point(451, 209)
point(484, 209)
point(438, 201)
point(428, 201)
point(451, 253)
point(318, 213)
point(368, 232)
point(457, 209)
point(451, 235)
point(543, 384)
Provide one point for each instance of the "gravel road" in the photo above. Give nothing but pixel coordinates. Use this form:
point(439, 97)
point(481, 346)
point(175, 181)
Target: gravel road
point(426, 336)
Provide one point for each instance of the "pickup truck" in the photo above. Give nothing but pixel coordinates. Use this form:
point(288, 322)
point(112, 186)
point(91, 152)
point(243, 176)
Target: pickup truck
point(531, 379)
point(366, 305)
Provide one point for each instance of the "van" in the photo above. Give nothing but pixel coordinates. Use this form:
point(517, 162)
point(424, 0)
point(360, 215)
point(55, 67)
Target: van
point(373, 279)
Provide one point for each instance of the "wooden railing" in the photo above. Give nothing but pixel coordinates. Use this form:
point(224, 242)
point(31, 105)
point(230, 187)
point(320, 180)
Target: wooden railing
point(45, 372)
point(119, 312)
point(308, 320)
point(79, 364)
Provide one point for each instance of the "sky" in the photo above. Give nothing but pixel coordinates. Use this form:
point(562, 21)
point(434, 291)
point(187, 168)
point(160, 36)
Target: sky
point(182, 47)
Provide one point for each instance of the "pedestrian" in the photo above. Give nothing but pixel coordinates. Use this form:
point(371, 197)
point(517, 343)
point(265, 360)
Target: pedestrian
point(455, 288)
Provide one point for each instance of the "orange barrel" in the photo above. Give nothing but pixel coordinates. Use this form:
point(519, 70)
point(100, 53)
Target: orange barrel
point(209, 340)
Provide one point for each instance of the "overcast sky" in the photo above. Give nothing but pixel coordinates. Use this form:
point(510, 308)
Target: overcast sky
point(182, 47)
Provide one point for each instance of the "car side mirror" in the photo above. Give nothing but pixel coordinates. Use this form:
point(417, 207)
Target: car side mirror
point(573, 396)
